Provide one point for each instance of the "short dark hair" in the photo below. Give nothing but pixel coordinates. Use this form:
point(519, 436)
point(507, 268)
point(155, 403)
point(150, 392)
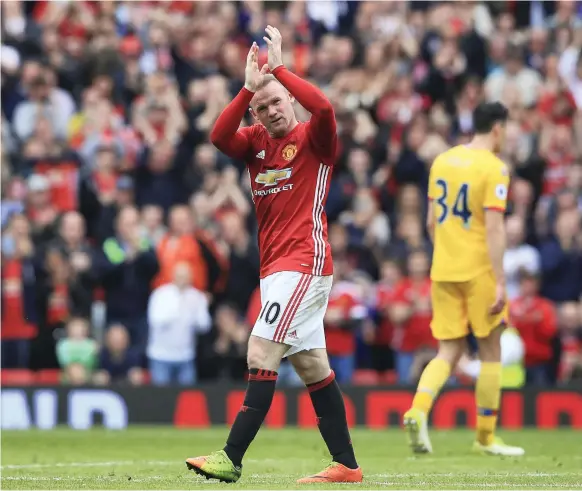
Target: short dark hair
point(487, 114)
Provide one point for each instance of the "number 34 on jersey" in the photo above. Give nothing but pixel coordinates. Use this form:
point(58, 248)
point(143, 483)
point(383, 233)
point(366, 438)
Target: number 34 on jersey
point(463, 184)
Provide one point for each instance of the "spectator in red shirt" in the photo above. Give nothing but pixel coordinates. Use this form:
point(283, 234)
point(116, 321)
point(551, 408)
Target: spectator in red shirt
point(535, 319)
point(570, 326)
point(558, 105)
point(159, 115)
point(382, 353)
point(18, 286)
point(411, 313)
point(343, 317)
point(557, 148)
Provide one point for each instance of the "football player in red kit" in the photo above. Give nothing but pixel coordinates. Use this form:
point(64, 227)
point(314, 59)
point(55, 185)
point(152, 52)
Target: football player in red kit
point(290, 165)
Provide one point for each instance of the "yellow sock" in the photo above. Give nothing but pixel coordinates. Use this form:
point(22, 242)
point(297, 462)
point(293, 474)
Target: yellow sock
point(488, 395)
point(431, 382)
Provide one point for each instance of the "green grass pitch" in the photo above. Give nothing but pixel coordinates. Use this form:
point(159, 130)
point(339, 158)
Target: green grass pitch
point(153, 458)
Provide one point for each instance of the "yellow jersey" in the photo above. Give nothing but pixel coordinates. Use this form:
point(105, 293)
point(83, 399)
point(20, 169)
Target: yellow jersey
point(463, 183)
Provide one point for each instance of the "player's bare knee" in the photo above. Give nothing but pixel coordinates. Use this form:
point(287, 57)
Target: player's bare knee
point(312, 366)
point(260, 358)
point(265, 354)
point(490, 346)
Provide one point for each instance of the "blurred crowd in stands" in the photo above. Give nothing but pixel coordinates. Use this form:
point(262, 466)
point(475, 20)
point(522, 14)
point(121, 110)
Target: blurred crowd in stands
point(129, 247)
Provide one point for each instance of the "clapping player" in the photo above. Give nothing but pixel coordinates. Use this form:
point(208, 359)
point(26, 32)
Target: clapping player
point(290, 165)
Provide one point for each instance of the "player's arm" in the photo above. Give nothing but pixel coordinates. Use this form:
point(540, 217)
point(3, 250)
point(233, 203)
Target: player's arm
point(322, 128)
point(495, 228)
point(225, 134)
point(495, 205)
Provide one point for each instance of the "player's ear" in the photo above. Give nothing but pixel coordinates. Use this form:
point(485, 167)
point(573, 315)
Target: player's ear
point(291, 98)
point(253, 113)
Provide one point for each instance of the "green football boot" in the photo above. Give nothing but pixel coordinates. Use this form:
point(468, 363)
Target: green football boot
point(217, 465)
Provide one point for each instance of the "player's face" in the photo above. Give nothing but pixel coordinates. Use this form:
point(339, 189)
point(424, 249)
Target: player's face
point(272, 106)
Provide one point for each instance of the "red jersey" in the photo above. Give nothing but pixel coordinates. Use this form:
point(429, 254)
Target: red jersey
point(105, 182)
point(64, 177)
point(385, 296)
point(415, 333)
point(571, 351)
point(345, 297)
point(535, 319)
point(290, 178)
point(58, 304)
point(14, 323)
point(558, 160)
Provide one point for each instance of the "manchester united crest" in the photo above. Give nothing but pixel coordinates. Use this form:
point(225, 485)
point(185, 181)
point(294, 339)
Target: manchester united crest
point(289, 151)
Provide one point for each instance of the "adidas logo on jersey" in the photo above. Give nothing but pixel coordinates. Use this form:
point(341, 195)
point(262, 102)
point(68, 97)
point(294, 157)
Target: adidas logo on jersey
point(261, 154)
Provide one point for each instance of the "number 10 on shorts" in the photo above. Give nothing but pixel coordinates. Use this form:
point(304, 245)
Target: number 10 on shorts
point(271, 312)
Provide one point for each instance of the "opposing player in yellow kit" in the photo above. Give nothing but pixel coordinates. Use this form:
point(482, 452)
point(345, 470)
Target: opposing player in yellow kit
point(467, 198)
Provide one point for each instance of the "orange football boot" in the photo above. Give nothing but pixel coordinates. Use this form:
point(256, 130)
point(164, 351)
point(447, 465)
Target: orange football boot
point(335, 472)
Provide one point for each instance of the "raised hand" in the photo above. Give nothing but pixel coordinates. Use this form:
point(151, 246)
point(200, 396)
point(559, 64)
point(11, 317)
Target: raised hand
point(253, 76)
point(274, 41)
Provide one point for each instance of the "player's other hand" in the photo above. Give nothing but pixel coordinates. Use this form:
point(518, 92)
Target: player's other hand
point(274, 41)
point(253, 76)
point(499, 303)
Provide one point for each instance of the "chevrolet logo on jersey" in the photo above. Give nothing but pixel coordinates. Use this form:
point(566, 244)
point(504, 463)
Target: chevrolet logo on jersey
point(272, 177)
